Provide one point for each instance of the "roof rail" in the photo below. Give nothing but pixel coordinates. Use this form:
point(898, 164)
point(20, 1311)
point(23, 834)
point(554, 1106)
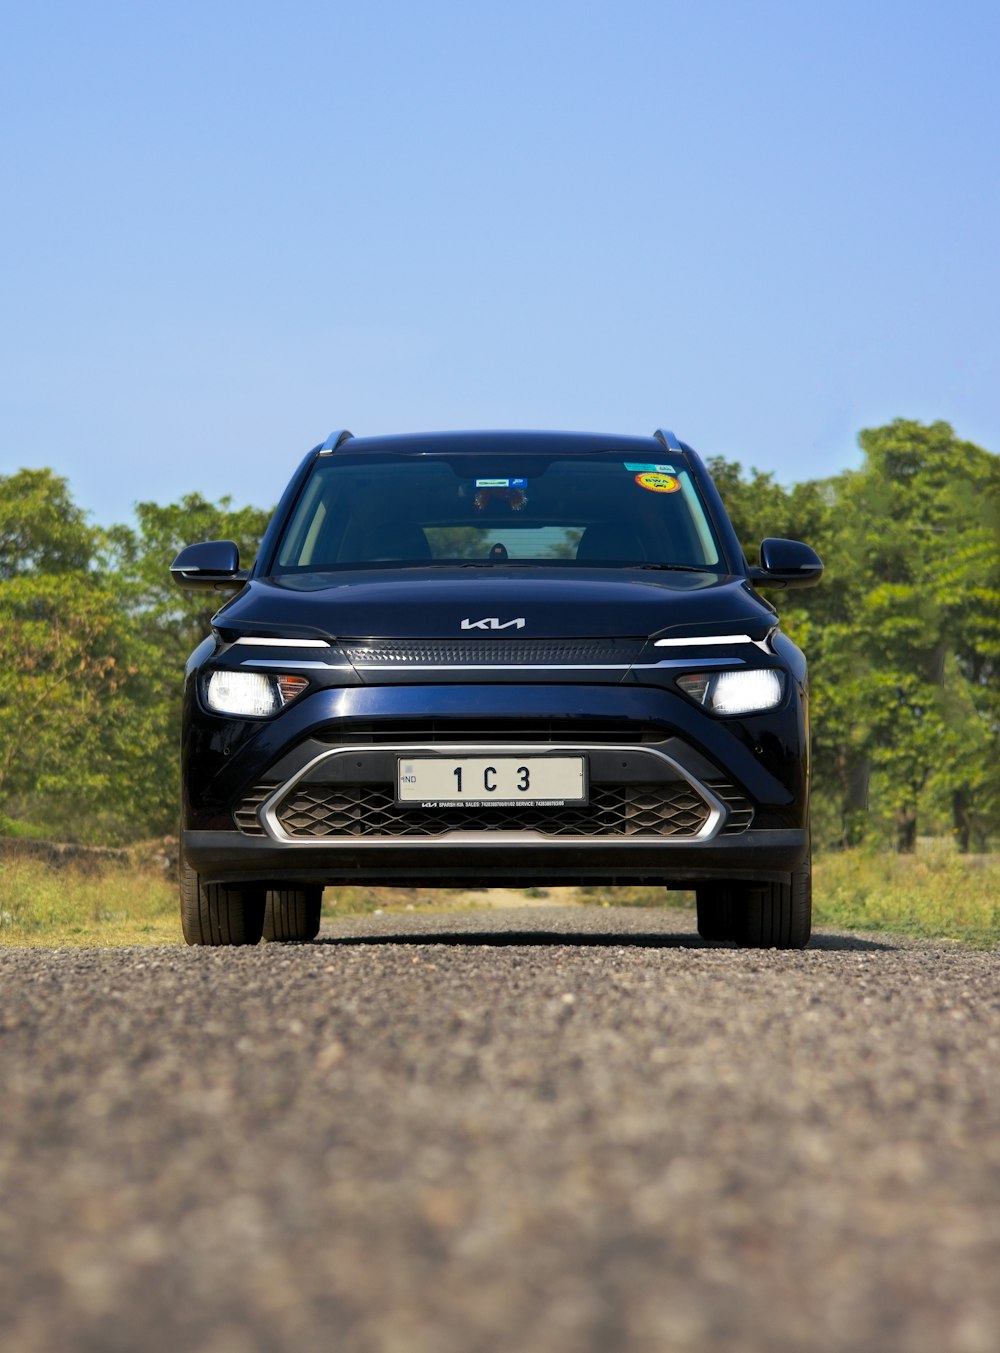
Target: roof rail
point(334, 440)
point(668, 439)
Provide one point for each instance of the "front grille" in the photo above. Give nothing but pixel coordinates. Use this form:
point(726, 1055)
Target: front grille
point(246, 813)
point(739, 809)
point(655, 809)
point(460, 652)
point(316, 811)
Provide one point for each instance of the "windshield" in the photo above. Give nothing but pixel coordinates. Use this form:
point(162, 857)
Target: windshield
point(366, 510)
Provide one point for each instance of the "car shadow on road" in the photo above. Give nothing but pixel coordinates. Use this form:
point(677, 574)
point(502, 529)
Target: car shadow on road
point(577, 939)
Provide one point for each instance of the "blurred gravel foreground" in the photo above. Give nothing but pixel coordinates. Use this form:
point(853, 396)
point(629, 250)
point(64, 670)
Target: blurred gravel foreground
point(555, 1130)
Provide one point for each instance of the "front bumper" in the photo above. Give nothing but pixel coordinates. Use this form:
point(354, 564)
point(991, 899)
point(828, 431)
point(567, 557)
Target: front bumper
point(242, 788)
point(754, 856)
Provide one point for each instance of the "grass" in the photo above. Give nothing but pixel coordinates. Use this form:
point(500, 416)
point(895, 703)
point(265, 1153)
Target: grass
point(132, 899)
point(935, 894)
point(87, 900)
point(75, 904)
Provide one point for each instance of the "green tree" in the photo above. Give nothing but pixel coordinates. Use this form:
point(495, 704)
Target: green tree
point(68, 680)
point(906, 664)
point(171, 622)
point(903, 636)
point(41, 530)
point(94, 640)
point(65, 659)
point(180, 619)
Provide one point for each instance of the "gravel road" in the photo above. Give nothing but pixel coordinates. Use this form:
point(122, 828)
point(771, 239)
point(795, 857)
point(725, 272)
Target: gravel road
point(557, 1130)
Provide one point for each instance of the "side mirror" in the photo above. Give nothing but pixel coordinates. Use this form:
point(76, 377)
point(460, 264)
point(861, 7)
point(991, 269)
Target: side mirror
point(786, 563)
point(215, 564)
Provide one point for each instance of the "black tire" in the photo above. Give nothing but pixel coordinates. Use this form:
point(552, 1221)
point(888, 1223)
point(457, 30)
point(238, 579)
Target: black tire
point(292, 913)
point(715, 913)
point(777, 915)
point(211, 914)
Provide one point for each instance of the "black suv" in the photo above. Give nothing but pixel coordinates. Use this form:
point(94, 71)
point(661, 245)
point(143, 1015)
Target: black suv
point(505, 657)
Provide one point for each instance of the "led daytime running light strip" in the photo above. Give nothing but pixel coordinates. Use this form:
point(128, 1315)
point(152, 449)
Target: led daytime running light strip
point(259, 642)
point(707, 640)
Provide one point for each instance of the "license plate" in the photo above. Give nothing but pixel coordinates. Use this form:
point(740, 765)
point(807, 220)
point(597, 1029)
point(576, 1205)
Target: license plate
point(492, 781)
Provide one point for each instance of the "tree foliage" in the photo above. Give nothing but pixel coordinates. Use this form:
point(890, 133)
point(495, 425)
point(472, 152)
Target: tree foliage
point(903, 638)
point(41, 530)
point(95, 637)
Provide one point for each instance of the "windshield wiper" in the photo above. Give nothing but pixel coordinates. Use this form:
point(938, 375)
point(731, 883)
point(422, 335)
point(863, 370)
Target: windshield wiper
point(591, 563)
point(680, 568)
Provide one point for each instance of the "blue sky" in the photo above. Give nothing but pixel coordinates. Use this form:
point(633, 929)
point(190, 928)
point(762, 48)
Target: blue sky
point(230, 227)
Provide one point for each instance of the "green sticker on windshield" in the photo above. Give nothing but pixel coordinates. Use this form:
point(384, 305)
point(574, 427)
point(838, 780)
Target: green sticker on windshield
point(649, 469)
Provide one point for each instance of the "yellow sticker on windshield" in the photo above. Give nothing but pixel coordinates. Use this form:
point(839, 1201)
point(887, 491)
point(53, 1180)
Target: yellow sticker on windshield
point(658, 483)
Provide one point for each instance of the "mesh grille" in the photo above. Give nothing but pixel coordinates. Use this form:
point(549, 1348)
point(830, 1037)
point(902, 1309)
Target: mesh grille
point(315, 811)
point(470, 651)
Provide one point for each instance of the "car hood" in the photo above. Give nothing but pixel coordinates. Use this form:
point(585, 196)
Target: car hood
point(508, 602)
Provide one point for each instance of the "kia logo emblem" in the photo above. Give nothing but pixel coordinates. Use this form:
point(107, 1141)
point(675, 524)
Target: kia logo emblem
point(493, 622)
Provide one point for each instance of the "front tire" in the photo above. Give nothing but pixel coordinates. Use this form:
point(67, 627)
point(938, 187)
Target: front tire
point(212, 914)
point(715, 913)
point(292, 914)
point(776, 915)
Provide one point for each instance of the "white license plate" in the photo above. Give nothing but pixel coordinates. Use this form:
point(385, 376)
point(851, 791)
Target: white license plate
point(492, 781)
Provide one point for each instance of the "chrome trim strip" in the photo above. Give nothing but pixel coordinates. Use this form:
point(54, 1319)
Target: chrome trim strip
point(398, 667)
point(295, 666)
point(539, 666)
point(694, 661)
point(267, 812)
point(493, 666)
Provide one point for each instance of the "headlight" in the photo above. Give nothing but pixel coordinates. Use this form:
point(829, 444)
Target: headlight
point(252, 694)
point(746, 692)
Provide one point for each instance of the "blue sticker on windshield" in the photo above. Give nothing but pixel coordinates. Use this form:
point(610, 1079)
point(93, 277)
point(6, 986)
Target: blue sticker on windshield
point(501, 483)
point(650, 469)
